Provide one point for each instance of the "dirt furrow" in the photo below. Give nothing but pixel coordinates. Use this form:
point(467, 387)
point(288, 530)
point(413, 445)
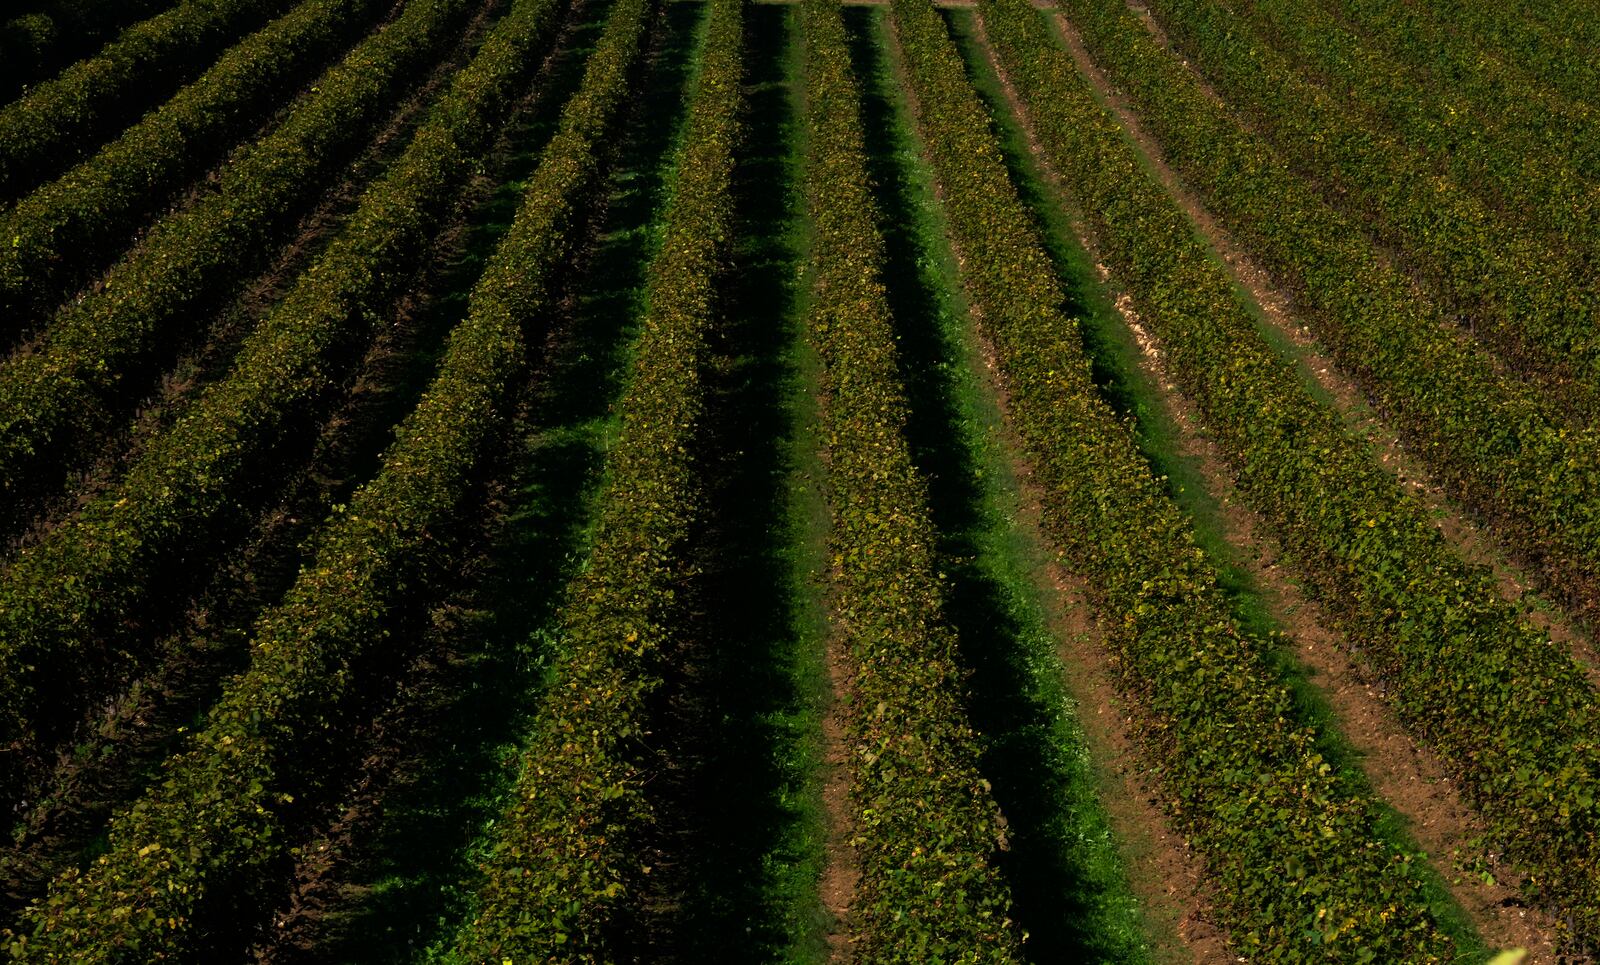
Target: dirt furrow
point(1279, 312)
point(1409, 778)
point(205, 356)
point(841, 871)
point(1166, 875)
point(435, 763)
point(202, 635)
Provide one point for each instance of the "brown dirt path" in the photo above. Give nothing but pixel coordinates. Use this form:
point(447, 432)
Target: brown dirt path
point(841, 870)
point(1165, 874)
point(1516, 578)
point(1407, 777)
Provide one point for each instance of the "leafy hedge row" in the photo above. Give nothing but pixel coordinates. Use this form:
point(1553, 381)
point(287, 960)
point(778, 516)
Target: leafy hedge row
point(49, 127)
point(1505, 135)
point(35, 43)
point(52, 396)
point(1536, 304)
point(1492, 440)
point(191, 487)
point(924, 826)
point(1512, 713)
point(73, 225)
point(1554, 41)
point(211, 825)
point(567, 853)
point(1301, 872)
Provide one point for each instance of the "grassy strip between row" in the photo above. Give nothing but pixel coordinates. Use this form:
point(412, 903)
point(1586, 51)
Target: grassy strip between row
point(212, 821)
point(35, 43)
point(75, 224)
point(58, 119)
point(1300, 868)
point(1070, 887)
point(190, 487)
point(1490, 438)
point(925, 828)
point(1511, 711)
point(567, 855)
point(50, 397)
point(1535, 303)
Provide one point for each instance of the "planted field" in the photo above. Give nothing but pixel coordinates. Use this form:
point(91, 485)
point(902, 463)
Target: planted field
point(704, 480)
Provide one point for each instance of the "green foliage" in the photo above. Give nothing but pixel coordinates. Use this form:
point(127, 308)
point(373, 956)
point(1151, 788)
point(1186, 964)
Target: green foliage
point(1535, 301)
point(1300, 869)
point(1500, 131)
point(925, 827)
point(1509, 710)
point(40, 38)
point(69, 385)
point(1551, 41)
point(188, 489)
point(1490, 438)
point(74, 224)
point(210, 824)
point(54, 122)
point(566, 854)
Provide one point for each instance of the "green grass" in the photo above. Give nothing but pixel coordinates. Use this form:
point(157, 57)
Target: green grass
point(1064, 866)
point(1130, 391)
point(759, 828)
point(1113, 352)
point(408, 882)
point(199, 656)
